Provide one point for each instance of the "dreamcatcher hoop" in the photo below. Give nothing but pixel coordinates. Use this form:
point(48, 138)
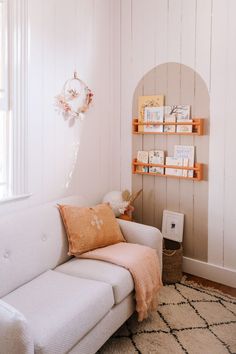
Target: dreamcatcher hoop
point(75, 98)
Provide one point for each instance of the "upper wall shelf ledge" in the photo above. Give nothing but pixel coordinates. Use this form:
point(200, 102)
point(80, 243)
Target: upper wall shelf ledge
point(197, 124)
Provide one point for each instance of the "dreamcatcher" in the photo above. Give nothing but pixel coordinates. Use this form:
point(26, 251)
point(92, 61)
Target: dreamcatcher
point(75, 98)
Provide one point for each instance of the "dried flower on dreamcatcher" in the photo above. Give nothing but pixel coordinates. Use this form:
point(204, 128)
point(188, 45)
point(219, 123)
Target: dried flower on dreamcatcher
point(75, 98)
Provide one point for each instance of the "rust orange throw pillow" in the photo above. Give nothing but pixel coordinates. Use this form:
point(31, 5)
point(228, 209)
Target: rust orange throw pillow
point(90, 228)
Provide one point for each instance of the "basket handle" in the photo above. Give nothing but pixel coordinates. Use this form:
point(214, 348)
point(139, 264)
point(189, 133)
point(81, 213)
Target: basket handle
point(169, 254)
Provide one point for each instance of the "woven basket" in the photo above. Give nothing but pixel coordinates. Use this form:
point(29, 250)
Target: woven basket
point(172, 262)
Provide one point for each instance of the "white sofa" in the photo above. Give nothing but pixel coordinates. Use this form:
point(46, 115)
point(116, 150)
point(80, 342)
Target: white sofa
point(51, 303)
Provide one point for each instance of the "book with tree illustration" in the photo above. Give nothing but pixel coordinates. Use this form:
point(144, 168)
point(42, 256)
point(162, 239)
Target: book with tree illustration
point(169, 117)
point(179, 113)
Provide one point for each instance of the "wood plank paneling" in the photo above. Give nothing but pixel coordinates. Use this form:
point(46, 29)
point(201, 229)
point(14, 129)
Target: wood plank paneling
point(148, 144)
point(160, 184)
point(201, 35)
point(138, 51)
point(202, 108)
point(200, 215)
point(137, 181)
point(161, 44)
point(127, 69)
point(180, 195)
point(230, 146)
point(187, 88)
point(64, 35)
point(116, 99)
point(173, 90)
point(218, 89)
point(181, 85)
point(148, 47)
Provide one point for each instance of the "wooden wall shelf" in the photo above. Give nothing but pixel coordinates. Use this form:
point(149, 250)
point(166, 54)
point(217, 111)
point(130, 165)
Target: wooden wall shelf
point(197, 124)
point(197, 169)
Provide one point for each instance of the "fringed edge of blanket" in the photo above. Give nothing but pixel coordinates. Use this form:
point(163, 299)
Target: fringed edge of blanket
point(149, 304)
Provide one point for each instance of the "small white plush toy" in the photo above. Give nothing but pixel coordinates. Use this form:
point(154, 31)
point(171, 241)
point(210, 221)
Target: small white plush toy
point(116, 202)
point(120, 202)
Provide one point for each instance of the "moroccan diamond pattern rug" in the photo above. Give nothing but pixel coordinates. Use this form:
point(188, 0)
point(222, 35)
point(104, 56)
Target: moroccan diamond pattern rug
point(190, 319)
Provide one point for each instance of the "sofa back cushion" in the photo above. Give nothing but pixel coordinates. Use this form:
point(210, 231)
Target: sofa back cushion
point(32, 242)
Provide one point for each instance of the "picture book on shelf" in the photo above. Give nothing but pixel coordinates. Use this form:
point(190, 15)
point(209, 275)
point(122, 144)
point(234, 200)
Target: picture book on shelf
point(185, 164)
point(179, 113)
point(148, 101)
point(142, 156)
point(174, 161)
point(185, 152)
point(156, 157)
point(183, 115)
point(153, 114)
point(184, 128)
point(169, 118)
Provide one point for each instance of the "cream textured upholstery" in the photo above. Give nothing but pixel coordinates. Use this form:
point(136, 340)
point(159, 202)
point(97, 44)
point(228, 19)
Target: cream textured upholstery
point(31, 242)
point(51, 303)
point(15, 334)
point(144, 235)
point(105, 328)
point(119, 278)
point(56, 304)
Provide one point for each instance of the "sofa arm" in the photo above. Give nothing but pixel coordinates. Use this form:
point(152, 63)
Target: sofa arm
point(144, 235)
point(15, 337)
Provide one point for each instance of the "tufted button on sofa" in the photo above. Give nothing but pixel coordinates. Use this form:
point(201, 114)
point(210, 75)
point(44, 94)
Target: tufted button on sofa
point(51, 303)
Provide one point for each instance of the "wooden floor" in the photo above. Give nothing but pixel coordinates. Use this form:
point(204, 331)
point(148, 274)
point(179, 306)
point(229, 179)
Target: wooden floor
point(208, 283)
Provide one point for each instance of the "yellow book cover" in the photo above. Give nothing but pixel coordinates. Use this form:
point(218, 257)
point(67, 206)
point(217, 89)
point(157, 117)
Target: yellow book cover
point(148, 101)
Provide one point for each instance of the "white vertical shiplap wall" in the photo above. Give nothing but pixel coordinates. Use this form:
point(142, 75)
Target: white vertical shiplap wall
point(116, 97)
point(188, 85)
point(200, 34)
point(66, 158)
point(113, 44)
point(218, 89)
point(128, 65)
point(229, 255)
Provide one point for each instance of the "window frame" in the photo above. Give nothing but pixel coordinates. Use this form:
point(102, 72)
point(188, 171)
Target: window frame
point(17, 98)
point(4, 96)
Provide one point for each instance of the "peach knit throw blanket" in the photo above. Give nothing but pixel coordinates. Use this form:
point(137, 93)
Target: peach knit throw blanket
point(142, 262)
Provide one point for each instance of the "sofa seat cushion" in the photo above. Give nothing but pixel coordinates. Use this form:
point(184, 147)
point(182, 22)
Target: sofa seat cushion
point(61, 309)
point(118, 277)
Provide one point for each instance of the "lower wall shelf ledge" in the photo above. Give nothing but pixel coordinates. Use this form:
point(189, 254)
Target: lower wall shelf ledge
point(197, 170)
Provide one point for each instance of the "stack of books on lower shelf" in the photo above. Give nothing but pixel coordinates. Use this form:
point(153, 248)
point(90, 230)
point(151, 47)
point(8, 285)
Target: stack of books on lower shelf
point(183, 157)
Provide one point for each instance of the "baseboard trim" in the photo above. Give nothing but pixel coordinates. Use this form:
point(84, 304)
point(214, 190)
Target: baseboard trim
point(210, 271)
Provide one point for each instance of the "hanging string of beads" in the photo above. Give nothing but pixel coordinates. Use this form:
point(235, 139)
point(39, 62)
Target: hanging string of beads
point(75, 98)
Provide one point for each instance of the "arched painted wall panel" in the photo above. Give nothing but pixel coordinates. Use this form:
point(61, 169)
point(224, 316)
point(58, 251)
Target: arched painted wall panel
point(180, 85)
